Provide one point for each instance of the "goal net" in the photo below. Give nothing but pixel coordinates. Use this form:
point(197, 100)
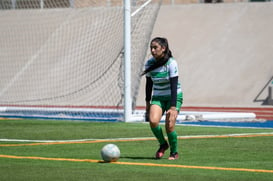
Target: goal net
point(64, 59)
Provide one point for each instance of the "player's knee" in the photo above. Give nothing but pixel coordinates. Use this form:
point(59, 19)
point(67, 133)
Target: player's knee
point(169, 126)
point(154, 121)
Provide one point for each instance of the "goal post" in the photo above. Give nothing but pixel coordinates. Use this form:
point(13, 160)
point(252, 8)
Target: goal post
point(127, 62)
point(67, 59)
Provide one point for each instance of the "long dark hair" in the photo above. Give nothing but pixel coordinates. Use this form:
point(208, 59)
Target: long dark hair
point(167, 54)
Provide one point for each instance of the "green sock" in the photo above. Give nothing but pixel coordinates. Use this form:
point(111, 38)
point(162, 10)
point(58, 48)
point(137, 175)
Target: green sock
point(159, 134)
point(172, 137)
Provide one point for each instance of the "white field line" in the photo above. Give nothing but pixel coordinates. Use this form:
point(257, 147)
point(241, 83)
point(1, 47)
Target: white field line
point(215, 126)
point(132, 139)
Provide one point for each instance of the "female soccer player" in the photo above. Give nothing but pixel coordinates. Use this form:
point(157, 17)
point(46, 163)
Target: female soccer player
point(162, 80)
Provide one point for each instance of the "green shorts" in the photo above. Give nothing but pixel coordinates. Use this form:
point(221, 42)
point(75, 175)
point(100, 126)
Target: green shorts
point(165, 103)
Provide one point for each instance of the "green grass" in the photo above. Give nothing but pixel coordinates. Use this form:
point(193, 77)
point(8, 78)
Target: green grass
point(232, 152)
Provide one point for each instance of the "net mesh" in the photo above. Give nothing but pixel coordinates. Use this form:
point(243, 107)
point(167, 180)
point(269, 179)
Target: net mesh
point(69, 54)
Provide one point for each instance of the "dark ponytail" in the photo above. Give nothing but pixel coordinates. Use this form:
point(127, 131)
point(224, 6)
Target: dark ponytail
point(167, 54)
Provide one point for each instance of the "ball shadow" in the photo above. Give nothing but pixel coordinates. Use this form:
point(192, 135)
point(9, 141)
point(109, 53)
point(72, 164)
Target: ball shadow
point(138, 158)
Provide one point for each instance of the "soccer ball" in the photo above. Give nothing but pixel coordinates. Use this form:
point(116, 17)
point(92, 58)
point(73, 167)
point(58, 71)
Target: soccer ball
point(110, 153)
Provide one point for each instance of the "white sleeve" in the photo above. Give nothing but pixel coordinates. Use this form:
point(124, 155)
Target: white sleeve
point(173, 69)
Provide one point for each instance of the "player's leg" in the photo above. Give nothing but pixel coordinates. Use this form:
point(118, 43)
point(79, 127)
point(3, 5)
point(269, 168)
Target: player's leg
point(155, 115)
point(172, 137)
point(170, 129)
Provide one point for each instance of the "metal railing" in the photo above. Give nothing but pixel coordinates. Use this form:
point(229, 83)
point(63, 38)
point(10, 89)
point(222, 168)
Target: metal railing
point(269, 99)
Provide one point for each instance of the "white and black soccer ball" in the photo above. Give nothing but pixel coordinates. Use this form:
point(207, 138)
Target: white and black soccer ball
point(110, 153)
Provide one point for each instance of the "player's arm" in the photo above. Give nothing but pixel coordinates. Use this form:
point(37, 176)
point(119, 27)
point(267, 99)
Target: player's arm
point(148, 91)
point(172, 112)
point(173, 82)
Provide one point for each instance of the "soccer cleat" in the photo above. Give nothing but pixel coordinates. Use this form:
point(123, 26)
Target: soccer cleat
point(173, 156)
point(160, 152)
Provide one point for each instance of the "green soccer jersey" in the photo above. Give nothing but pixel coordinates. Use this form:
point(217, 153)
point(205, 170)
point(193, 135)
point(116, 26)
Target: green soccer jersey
point(161, 78)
